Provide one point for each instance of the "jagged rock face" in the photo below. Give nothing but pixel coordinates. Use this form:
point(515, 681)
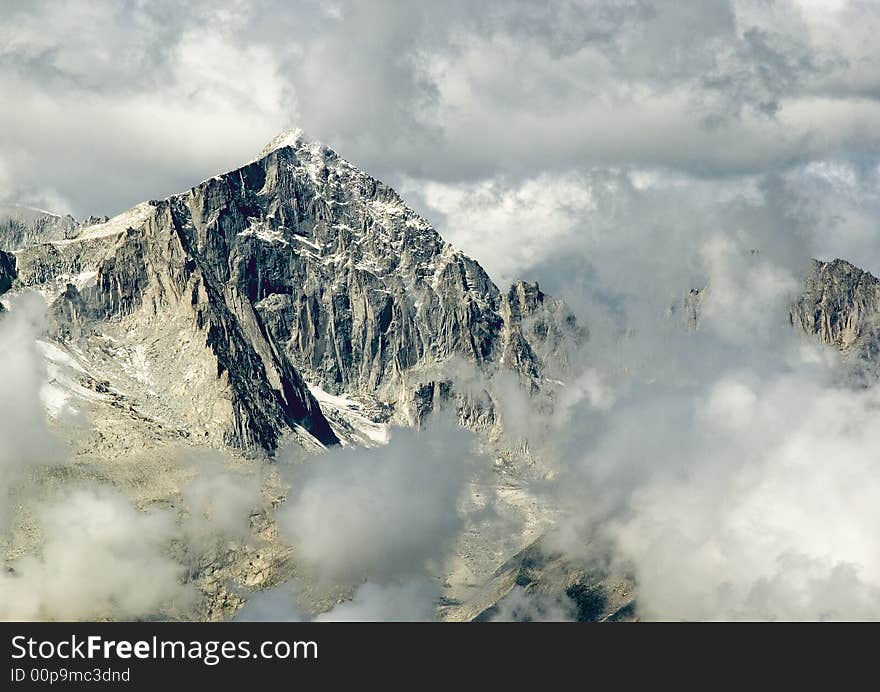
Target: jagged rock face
point(841, 307)
point(22, 226)
point(351, 284)
point(137, 279)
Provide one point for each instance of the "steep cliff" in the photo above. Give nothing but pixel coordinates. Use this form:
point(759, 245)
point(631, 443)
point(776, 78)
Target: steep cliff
point(7, 271)
point(540, 333)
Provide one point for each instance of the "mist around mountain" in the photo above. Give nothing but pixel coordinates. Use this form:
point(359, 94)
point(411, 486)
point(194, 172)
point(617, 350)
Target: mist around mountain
point(281, 394)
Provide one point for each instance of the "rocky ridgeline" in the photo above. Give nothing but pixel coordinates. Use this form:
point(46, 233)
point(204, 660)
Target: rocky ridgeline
point(295, 268)
point(300, 268)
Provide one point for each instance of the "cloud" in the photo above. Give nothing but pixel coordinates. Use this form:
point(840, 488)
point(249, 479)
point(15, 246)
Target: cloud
point(26, 443)
point(522, 606)
point(116, 103)
point(379, 514)
point(763, 510)
point(272, 605)
point(219, 500)
point(100, 558)
point(408, 602)
point(176, 97)
point(527, 222)
point(730, 468)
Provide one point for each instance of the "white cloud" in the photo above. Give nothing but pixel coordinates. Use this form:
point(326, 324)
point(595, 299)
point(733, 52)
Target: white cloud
point(100, 558)
point(408, 602)
point(219, 500)
point(510, 227)
point(770, 515)
point(272, 605)
point(733, 471)
point(26, 443)
point(379, 514)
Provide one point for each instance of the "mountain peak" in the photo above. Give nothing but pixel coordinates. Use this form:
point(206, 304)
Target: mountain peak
point(292, 137)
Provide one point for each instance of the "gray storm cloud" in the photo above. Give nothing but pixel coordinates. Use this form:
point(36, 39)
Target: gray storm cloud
point(451, 93)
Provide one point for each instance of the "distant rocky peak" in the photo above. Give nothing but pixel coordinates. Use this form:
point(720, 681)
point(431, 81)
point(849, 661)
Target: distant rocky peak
point(840, 305)
point(21, 226)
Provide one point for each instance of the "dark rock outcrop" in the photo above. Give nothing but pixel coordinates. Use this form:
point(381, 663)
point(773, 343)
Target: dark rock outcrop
point(7, 271)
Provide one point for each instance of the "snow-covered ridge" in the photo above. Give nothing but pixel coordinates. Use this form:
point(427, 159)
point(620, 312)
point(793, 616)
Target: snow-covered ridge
point(132, 218)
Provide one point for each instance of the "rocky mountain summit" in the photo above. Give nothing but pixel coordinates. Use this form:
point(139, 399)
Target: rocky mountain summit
point(295, 278)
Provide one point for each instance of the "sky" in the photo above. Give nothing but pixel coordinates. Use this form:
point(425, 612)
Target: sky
point(619, 152)
point(498, 120)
